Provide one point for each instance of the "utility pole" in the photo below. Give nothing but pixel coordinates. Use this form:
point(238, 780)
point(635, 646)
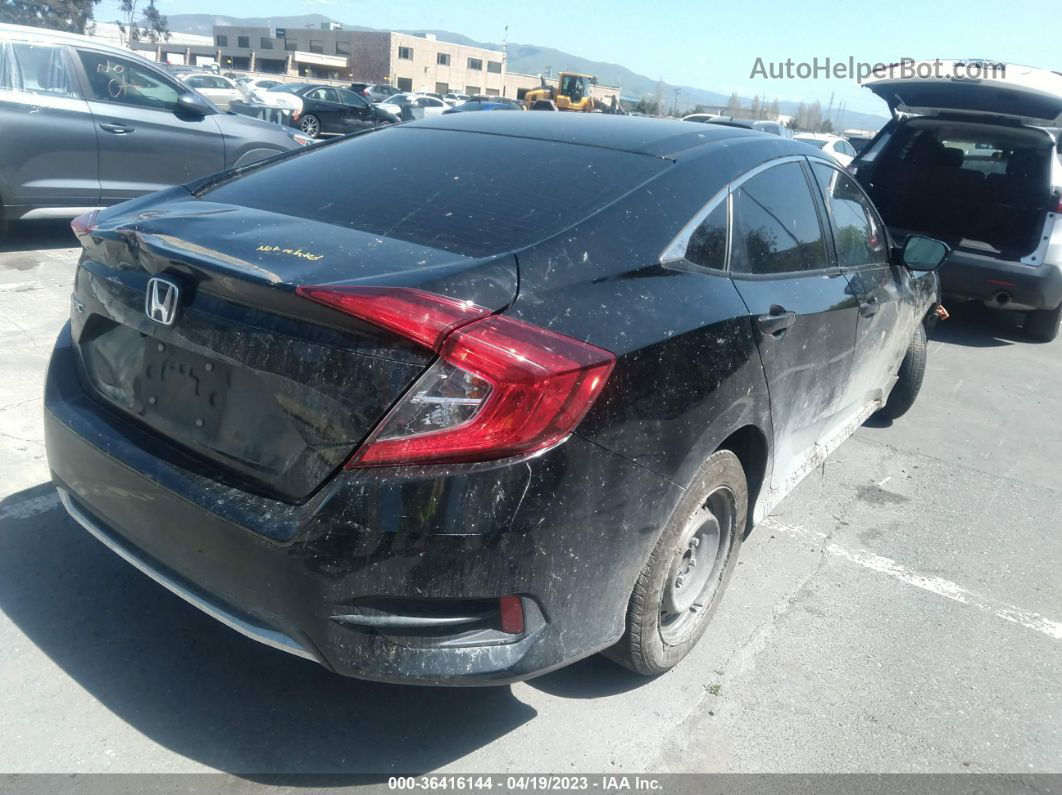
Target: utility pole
point(505, 58)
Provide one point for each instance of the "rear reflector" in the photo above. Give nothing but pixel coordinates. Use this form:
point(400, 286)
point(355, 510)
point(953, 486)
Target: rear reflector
point(501, 387)
point(511, 610)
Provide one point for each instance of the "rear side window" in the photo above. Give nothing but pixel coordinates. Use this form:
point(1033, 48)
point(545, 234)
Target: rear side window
point(206, 81)
point(463, 192)
point(324, 94)
point(350, 98)
point(707, 245)
point(38, 69)
point(776, 225)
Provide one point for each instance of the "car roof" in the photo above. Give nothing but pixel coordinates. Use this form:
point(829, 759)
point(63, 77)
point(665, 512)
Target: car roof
point(26, 33)
point(648, 136)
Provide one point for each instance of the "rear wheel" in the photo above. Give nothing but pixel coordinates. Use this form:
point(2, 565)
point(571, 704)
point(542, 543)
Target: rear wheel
point(683, 581)
point(1043, 323)
point(909, 384)
point(310, 125)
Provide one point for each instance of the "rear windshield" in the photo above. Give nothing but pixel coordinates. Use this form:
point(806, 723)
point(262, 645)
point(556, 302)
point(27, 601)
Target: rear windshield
point(469, 193)
point(816, 142)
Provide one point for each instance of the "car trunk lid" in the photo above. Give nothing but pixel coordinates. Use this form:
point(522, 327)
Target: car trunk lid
point(249, 381)
point(1002, 90)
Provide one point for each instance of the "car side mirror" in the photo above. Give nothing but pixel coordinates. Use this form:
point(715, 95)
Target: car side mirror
point(924, 253)
point(191, 104)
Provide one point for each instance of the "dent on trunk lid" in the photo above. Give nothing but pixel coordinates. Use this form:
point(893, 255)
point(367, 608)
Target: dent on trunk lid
point(318, 378)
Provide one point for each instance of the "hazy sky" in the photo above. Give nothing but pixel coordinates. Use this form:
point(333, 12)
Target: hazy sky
point(711, 45)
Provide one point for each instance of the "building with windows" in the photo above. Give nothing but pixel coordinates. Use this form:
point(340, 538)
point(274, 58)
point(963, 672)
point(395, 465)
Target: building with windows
point(409, 63)
point(316, 53)
point(415, 63)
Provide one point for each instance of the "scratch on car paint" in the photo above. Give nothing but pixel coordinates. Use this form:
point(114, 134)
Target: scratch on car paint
point(926, 582)
point(809, 460)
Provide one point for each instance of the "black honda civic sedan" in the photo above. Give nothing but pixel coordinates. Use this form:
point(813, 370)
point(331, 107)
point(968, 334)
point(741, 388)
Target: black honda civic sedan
point(463, 400)
point(329, 109)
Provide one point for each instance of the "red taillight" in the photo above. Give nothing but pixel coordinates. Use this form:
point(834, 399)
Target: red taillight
point(511, 610)
point(501, 387)
point(84, 224)
point(1058, 206)
point(425, 318)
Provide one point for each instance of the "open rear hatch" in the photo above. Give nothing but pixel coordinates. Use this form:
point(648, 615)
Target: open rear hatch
point(261, 387)
point(1031, 95)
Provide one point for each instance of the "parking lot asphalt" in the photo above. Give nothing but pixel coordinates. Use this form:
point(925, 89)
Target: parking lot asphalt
point(900, 611)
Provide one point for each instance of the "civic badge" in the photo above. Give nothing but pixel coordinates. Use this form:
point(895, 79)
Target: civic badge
point(160, 302)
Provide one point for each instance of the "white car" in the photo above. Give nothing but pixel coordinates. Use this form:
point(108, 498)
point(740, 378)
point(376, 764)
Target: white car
point(833, 145)
point(701, 117)
point(256, 89)
point(773, 128)
point(413, 106)
point(219, 90)
point(455, 98)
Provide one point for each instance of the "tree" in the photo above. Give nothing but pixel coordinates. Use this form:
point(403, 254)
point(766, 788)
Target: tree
point(69, 15)
point(772, 110)
point(647, 105)
point(733, 107)
point(151, 27)
point(809, 117)
point(754, 108)
point(814, 120)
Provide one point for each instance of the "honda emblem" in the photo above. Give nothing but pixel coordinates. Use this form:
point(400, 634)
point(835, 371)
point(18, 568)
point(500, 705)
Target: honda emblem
point(160, 302)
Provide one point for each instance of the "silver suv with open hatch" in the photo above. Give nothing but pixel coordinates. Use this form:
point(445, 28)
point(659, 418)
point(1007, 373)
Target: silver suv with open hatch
point(972, 161)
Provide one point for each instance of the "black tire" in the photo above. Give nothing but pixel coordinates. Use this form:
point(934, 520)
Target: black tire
point(1042, 324)
point(310, 125)
point(912, 371)
point(657, 636)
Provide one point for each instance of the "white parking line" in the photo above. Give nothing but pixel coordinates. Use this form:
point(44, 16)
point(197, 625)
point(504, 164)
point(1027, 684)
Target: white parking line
point(24, 509)
point(936, 585)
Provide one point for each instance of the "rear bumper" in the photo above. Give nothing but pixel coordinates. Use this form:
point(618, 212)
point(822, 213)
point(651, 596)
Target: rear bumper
point(567, 531)
point(185, 590)
point(974, 276)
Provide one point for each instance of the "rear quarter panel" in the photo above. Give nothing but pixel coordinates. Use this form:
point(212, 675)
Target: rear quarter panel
point(688, 372)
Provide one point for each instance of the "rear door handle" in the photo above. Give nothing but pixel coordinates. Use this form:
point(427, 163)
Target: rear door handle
point(117, 129)
point(776, 323)
point(869, 307)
